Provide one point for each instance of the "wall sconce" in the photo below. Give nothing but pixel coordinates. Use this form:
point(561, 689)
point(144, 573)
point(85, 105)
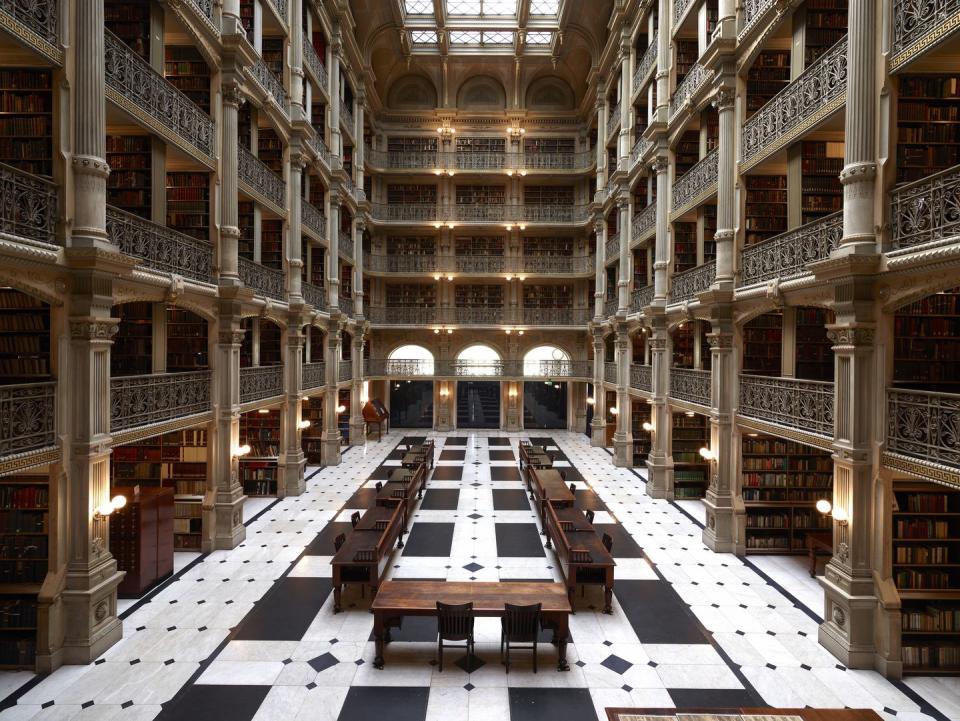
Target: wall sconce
point(303, 425)
point(508, 226)
point(438, 172)
point(509, 175)
point(341, 408)
point(707, 454)
point(591, 400)
point(521, 278)
point(449, 277)
point(516, 133)
point(647, 426)
point(827, 509)
point(614, 411)
point(512, 393)
point(243, 450)
point(523, 173)
point(522, 227)
point(444, 393)
point(519, 332)
point(114, 504)
point(437, 276)
point(451, 226)
point(446, 132)
point(437, 226)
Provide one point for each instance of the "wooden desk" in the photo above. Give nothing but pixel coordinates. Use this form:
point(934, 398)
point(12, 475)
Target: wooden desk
point(403, 598)
point(821, 543)
point(415, 474)
point(535, 456)
point(546, 485)
point(580, 549)
point(419, 454)
point(365, 555)
point(403, 494)
point(741, 714)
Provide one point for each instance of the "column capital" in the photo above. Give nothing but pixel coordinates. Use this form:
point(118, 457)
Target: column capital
point(848, 337)
point(660, 164)
point(724, 98)
point(232, 95)
point(231, 336)
point(90, 328)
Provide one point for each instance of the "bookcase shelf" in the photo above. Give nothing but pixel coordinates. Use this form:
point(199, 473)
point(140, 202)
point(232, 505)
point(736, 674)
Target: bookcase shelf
point(412, 144)
point(684, 246)
point(763, 345)
point(926, 353)
point(129, 20)
point(405, 193)
point(479, 245)
point(188, 204)
point(411, 295)
point(411, 245)
point(130, 158)
point(271, 243)
point(822, 192)
point(708, 214)
point(480, 195)
point(246, 220)
point(271, 344)
point(478, 295)
point(640, 268)
point(826, 24)
point(272, 55)
point(814, 351)
point(766, 207)
point(769, 74)
point(683, 346)
point(640, 414)
point(26, 120)
point(186, 69)
point(247, 17)
point(132, 352)
point(690, 434)
point(536, 146)
point(547, 296)
point(548, 195)
point(687, 54)
point(312, 410)
point(318, 261)
point(259, 470)
point(480, 145)
point(687, 153)
point(270, 149)
point(928, 125)
point(187, 341)
point(24, 338)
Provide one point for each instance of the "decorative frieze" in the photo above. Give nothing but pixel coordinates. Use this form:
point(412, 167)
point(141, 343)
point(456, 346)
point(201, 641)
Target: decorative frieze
point(806, 405)
point(159, 247)
point(147, 399)
point(787, 255)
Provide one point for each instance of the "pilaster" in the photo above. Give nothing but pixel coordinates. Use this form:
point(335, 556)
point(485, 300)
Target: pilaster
point(333, 252)
point(662, 250)
point(660, 458)
point(598, 428)
point(623, 438)
point(358, 429)
point(292, 460)
point(229, 168)
point(294, 244)
point(600, 278)
point(623, 281)
point(724, 101)
point(330, 438)
point(359, 226)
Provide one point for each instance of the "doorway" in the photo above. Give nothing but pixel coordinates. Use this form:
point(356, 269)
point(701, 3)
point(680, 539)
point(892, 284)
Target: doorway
point(478, 404)
point(411, 404)
point(544, 404)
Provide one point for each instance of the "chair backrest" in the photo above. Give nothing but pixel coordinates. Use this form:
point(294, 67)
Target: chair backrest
point(398, 493)
point(381, 525)
point(378, 486)
point(454, 621)
point(339, 540)
point(355, 518)
point(607, 542)
point(365, 555)
point(573, 488)
point(521, 623)
point(589, 514)
point(580, 555)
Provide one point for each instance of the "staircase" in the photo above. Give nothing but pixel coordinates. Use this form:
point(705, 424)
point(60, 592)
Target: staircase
point(537, 415)
point(478, 405)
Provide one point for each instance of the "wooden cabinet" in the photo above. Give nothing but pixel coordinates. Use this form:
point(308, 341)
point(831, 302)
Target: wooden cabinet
point(141, 539)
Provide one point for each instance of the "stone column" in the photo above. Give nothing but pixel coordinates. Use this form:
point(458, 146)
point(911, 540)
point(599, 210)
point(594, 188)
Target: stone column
point(726, 180)
point(600, 280)
point(358, 227)
point(601, 140)
point(295, 23)
point(333, 252)
point(336, 140)
point(662, 250)
point(623, 438)
point(229, 214)
point(598, 428)
point(294, 232)
point(623, 282)
point(358, 433)
point(330, 438)
point(359, 150)
point(226, 513)
point(660, 459)
point(444, 422)
point(514, 417)
point(292, 460)
point(626, 90)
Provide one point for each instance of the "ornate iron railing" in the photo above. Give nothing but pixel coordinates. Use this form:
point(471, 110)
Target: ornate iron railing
point(407, 212)
point(646, 63)
point(699, 180)
point(679, 10)
point(788, 254)
point(751, 11)
point(269, 82)
point(411, 368)
point(325, 155)
point(926, 210)
point(314, 295)
point(314, 63)
point(478, 316)
point(345, 242)
point(314, 375)
point(258, 176)
point(686, 285)
point(553, 264)
point(28, 419)
point(29, 205)
point(610, 373)
point(402, 367)
point(804, 100)
point(807, 405)
point(267, 282)
point(403, 316)
point(346, 115)
point(613, 119)
point(259, 382)
point(39, 16)
point(610, 307)
point(924, 425)
point(147, 399)
point(641, 298)
point(478, 160)
point(641, 377)
point(205, 7)
point(313, 218)
point(553, 316)
point(344, 371)
point(538, 264)
point(160, 248)
point(532, 213)
point(345, 305)
point(450, 160)
point(484, 368)
point(147, 93)
point(552, 161)
point(403, 263)
point(691, 385)
point(480, 263)
point(695, 79)
point(914, 20)
point(644, 222)
point(612, 248)
point(480, 213)
point(281, 7)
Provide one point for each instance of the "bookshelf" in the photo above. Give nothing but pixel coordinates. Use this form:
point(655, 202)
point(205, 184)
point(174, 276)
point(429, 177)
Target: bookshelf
point(826, 24)
point(478, 295)
point(343, 419)
point(414, 144)
point(272, 55)
point(690, 433)
point(24, 338)
point(781, 484)
point(687, 55)
point(706, 357)
point(926, 352)
point(926, 571)
point(640, 414)
point(822, 192)
point(478, 245)
point(246, 344)
point(769, 74)
point(271, 243)
point(186, 69)
point(188, 204)
point(547, 296)
point(536, 146)
point(766, 207)
point(258, 470)
point(684, 246)
point(130, 21)
point(130, 158)
point(480, 195)
point(411, 295)
point(928, 125)
point(245, 221)
point(318, 261)
point(687, 153)
point(710, 122)
point(244, 126)
point(271, 346)
point(763, 345)
point(187, 341)
point(481, 145)
point(406, 194)
point(708, 214)
point(639, 268)
point(270, 149)
point(312, 410)
point(411, 245)
point(548, 246)
point(132, 352)
point(346, 281)
point(683, 346)
point(247, 18)
point(26, 120)
point(548, 195)
point(712, 16)
point(814, 351)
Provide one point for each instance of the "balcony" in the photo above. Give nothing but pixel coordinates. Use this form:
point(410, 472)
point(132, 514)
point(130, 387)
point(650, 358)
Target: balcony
point(345, 243)
point(680, 8)
point(483, 264)
point(314, 295)
point(751, 12)
point(696, 185)
point(612, 248)
point(344, 371)
point(644, 223)
point(264, 281)
point(610, 307)
point(641, 377)
point(787, 255)
point(314, 375)
point(345, 305)
point(404, 263)
point(925, 211)
point(819, 91)
point(433, 160)
point(150, 98)
point(924, 426)
point(314, 65)
point(313, 220)
point(613, 119)
point(346, 117)
point(805, 405)
point(476, 213)
point(691, 385)
point(144, 400)
point(405, 213)
point(160, 248)
point(271, 84)
point(553, 264)
point(403, 316)
point(554, 316)
point(690, 283)
point(260, 382)
point(480, 316)
point(646, 63)
point(417, 368)
point(552, 161)
point(533, 264)
point(30, 206)
point(260, 182)
point(28, 419)
point(692, 82)
point(480, 213)
point(531, 213)
point(36, 22)
point(610, 373)
point(280, 8)
point(641, 298)
point(918, 26)
point(324, 152)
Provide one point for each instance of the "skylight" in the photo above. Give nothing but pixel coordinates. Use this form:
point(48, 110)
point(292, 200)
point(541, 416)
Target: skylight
point(418, 7)
point(424, 37)
point(539, 38)
point(544, 7)
point(477, 37)
point(481, 8)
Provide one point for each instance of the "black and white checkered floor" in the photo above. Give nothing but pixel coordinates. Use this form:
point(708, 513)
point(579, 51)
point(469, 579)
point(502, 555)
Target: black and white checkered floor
point(251, 634)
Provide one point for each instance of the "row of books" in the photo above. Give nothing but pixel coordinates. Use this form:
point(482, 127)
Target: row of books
point(18, 613)
point(931, 618)
point(23, 496)
point(932, 656)
point(24, 80)
point(25, 546)
point(922, 555)
point(914, 579)
point(24, 367)
point(788, 463)
point(23, 571)
point(922, 528)
point(783, 480)
point(928, 502)
point(785, 495)
point(26, 127)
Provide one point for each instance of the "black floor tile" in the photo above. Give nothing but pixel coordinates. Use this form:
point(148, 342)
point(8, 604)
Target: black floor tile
point(551, 704)
point(623, 544)
point(544, 441)
point(440, 499)
point(502, 455)
point(381, 472)
point(453, 454)
point(657, 613)
point(322, 544)
point(447, 473)
point(587, 499)
point(214, 703)
point(412, 440)
point(498, 441)
point(519, 540)
point(429, 539)
point(285, 613)
point(376, 703)
point(504, 473)
point(456, 441)
point(395, 455)
point(414, 629)
point(510, 500)
point(714, 698)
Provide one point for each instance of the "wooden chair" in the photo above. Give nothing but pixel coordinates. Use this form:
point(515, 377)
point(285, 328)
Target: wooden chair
point(339, 541)
point(378, 486)
point(355, 518)
point(607, 542)
point(454, 623)
point(573, 488)
point(589, 514)
point(519, 625)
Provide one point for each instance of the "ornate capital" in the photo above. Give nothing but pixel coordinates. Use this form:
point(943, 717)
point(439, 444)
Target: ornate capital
point(722, 235)
point(851, 336)
point(657, 343)
point(659, 165)
point(598, 226)
point(724, 98)
point(230, 337)
point(232, 95)
point(720, 340)
point(90, 165)
point(858, 173)
point(94, 328)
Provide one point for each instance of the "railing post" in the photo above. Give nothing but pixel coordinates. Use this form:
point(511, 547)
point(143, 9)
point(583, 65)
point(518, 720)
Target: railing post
point(330, 438)
point(227, 510)
point(660, 458)
point(358, 429)
point(598, 428)
point(292, 460)
point(623, 439)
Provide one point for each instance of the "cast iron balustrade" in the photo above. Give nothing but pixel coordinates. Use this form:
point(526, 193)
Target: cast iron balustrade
point(405, 159)
point(612, 248)
point(267, 282)
point(344, 371)
point(610, 373)
point(269, 82)
point(686, 285)
point(205, 7)
point(403, 316)
point(926, 210)
point(147, 399)
point(402, 367)
point(806, 405)
point(641, 298)
point(700, 180)
point(924, 425)
point(613, 119)
point(482, 160)
point(555, 369)
point(28, 205)
point(281, 7)
point(916, 20)
point(259, 382)
point(146, 94)
point(345, 305)
point(537, 213)
point(803, 103)
point(313, 219)
point(481, 213)
point(405, 212)
point(751, 11)
point(787, 255)
point(314, 63)
point(480, 316)
point(480, 263)
point(695, 79)
point(314, 295)
point(345, 240)
point(314, 375)
point(641, 377)
point(259, 178)
point(646, 63)
point(346, 116)
point(160, 248)
point(402, 263)
point(679, 10)
point(691, 385)
point(325, 155)
point(39, 16)
point(493, 368)
point(28, 419)
point(583, 160)
point(610, 306)
point(644, 223)
point(554, 316)
point(554, 264)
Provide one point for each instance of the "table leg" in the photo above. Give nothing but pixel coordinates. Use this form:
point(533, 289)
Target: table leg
point(563, 633)
point(337, 590)
point(549, 542)
point(813, 560)
point(400, 539)
point(378, 637)
point(608, 599)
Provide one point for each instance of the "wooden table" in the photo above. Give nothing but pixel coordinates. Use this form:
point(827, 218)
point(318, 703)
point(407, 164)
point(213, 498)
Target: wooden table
point(546, 485)
point(397, 599)
point(406, 475)
point(419, 454)
point(741, 714)
point(365, 554)
point(403, 494)
point(579, 548)
point(821, 543)
point(535, 456)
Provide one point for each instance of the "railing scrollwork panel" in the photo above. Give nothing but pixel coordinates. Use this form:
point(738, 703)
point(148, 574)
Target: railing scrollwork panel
point(259, 382)
point(806, 405)
point(39, 16)
point(700, 179)
point(788, 254)
point(28, 205)
point(924, 425)
point(28, 419)
point(686, 285)
point(689, 384)
point(695, 79)
point(161, 248)
point(268, 282)
point(641, 377)
point(915, 19)
point(314, 375)
point(146, 399)
point(926, 210)
point(641, 298)
point(258, 175)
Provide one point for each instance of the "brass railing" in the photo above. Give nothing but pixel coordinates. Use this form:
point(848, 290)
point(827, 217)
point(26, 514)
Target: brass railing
point(147, 399)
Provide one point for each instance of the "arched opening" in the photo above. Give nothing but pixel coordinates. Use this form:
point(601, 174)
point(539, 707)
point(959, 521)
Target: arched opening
point(478, 402)
point(409, 360)
point(411, 401)
point(545, 401)
point(478, 360)
point(545, 360)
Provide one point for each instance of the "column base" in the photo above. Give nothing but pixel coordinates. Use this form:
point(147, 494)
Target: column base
point(660, 478)
point(622, 451)
point(229, 531)
point(330, 451)
point(90, 618)
point(358, 432)
point(293, 483)
point(848, 629)
point(721, 534)
point(444, 425)
point(598, 435)
point(513, 422)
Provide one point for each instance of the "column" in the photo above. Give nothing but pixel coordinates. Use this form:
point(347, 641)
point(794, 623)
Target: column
point(623, 282)
point(358, 432)
point(598, 428)
point(294, 243)
point(230, 219)
point(601, 140)
point(600, 280)
point(292, 460)
point(336, 141)
point(514, 417)
point(295, 22)
point(358, 227)
point(444, 422)
point(626, 91)
point(330, 438)
point(726, 179)
point(660, 459)
point(662, 250)
point(333, 252)
point(358, 147)
point(623, 438)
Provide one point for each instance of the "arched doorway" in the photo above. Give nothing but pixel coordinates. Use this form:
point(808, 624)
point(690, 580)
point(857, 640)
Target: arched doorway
point(478, 402)
point(411, 401)
point(545, 399)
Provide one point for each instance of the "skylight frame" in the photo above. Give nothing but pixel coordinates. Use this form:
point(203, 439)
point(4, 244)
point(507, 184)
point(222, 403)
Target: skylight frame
point(539, 38)
point(424, 38)
point(544, 8)
point(481, 8)
point(474, 38)
point(418, 8)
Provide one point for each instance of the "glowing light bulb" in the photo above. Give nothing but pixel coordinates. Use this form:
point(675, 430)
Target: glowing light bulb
point(823, 505)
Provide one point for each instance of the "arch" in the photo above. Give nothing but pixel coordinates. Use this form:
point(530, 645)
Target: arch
point(544, 361)
point(412, 92)
point(482, 92)
point(410, 359)
point(479, 359)
point(550, 92)
point(26, 283)
point(932, 284)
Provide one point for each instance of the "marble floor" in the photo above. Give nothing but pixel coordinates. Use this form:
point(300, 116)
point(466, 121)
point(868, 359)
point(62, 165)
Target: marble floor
point(251, 634)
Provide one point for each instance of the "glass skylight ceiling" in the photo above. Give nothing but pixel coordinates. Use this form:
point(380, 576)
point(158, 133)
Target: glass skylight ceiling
point(481, 8)
point(474, 24)
point(544, 7)
point(418, 7)
point(539, 38)
point(424, 37)
point(478, 37)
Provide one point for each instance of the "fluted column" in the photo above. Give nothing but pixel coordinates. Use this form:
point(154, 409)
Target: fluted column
point(358, 433)
point(660, 459)
point(227, 510)
point(358, 227)
point(600, 279)
point(598, 428)
point(623, 437)
point(294, 231)
point(292, 460)
point(664, 35)
point(661, 262)
point(336, 140)
point(330, 438)
point(726, 180)
point(358, 147)
point(296, 58)
point(626, 90)
point(333, 251)
point(229, 214)
point(601, 139)
point(623, 281)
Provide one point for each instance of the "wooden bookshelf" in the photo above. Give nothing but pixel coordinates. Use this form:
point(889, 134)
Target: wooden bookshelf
point(346, 281)
point(129, 20)
point(188, 204)
point(822, 192)
point(245, 126)
point(926, 351)
point(247, 18)
point(687, 153)
point(547, 296)
point(343, 419)
point(24, 338)
point(781, 484)
point(26, 120)
point(708, 215)
point(480, 195)
point(766, 207)
point(548, 246)
point(185, 68)
point(270, 149)
point(411, 295)
point(684, 246)
point(928, 125)
point(271, 343)
point(412, 144)
point(706, 357)
point(130, 158)
point(259, 469)
point(318, 261)
point(687, 54)
point(537, 146)
point(272, 55)
point(763, 345)
point(411, 245)
point(814, 351)
point(640, 414)
point(690, 474)
point(480, 145)
point(132, 352)
point(548, 195)
point(479, 245)
point(683, 340)
point(769, 74)
point(271, 243)
point(640, 268)
point(411, 194)
point(478, 295)
point(187, 341)
point(311, 438)
point(712, 16)
point(246, 343)
point(826, 25)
